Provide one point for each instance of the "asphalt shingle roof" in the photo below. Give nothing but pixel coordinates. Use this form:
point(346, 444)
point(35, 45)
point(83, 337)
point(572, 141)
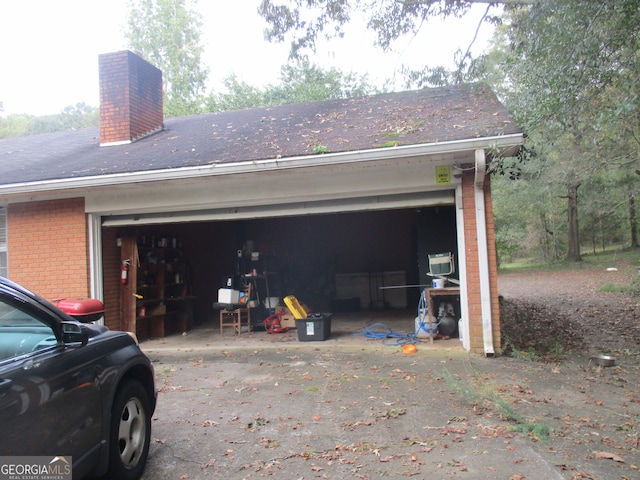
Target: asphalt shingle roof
point(405, 118)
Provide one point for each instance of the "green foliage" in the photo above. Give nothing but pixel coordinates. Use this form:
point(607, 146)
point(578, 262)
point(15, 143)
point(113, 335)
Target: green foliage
point(14, 125)
point(320, 149)
point(71, 118)
point(239, 95)
point(303, 23)
point(576, 95)
point(633, 289)
point(484, 395)
point(167, 34)
point(568, 71)
point(613, 257)
point(301, 82)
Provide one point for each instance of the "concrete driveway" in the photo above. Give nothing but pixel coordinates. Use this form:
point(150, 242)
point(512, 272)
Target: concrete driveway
point(262, 405)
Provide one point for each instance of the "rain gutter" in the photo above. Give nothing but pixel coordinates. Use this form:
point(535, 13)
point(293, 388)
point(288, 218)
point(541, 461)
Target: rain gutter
point(255, 166)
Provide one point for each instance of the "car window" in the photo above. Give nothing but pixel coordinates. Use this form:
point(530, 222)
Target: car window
point(21, 332)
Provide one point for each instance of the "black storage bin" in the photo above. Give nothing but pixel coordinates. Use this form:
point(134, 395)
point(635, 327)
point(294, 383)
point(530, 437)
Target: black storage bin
point(316, 327)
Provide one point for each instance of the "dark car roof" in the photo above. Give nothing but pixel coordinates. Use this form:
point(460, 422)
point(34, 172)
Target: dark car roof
point(405, 118)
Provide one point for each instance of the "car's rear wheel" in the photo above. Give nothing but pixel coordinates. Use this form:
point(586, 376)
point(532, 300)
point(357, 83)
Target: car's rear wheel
point(130, 432)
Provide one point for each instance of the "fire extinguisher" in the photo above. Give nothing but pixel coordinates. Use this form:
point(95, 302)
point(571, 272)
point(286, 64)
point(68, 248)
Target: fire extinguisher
point(124, 272)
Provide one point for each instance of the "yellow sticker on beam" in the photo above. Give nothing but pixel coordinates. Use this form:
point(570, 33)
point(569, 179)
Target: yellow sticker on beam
point(443, 175)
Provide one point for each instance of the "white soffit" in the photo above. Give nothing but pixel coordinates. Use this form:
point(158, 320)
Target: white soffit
point(316, 184)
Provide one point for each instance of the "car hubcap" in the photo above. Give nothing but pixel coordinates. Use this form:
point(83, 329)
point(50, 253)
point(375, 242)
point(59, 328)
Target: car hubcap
point(131, 434)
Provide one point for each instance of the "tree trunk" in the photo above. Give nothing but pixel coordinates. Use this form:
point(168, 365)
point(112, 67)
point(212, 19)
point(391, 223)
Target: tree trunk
point(573, 252)
point(546, 248)
point(632, 220)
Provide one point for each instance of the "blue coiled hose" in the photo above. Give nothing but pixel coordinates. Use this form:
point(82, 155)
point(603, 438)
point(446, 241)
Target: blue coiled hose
point(383, 332)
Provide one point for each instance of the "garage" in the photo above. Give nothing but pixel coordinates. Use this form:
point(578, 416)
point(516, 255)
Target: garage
point(334, 248)
point(331, 202)
point(333, 262)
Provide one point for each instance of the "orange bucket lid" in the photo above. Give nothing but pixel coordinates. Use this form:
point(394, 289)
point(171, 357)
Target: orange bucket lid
point(409, 349)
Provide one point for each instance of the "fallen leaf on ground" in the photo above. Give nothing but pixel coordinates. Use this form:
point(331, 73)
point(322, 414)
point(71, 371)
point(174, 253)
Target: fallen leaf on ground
point(612, 456)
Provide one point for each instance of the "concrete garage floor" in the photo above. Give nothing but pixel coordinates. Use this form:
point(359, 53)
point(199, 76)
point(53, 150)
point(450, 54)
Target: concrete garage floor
point(346, 329)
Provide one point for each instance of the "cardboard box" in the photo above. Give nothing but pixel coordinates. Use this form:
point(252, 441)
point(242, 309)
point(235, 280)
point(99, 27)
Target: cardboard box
point(228, 295)
point(288, 320)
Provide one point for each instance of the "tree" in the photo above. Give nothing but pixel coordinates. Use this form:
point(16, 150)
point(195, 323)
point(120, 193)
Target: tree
point(566, 56)
point(167, 34)
point(73, 117)
point(301, 82)
point(570, 70)
point(307, 21)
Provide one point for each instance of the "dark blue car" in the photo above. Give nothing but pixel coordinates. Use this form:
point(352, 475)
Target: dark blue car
point(72, 390)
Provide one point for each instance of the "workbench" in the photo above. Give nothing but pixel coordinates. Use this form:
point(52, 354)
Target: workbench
point(437, 292)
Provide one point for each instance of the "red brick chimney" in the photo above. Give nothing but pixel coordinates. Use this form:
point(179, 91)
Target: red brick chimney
point(130, 98)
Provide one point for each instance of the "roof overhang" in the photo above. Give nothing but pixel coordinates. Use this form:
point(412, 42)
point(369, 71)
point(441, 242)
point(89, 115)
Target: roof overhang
point(503, 145)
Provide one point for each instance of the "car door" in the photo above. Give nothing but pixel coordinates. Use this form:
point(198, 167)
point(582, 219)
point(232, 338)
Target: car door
point(49, 398)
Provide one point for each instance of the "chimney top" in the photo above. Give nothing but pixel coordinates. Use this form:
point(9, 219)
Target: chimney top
point(130, 98)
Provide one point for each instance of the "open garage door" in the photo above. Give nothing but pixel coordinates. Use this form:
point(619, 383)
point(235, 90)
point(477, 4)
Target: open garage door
point(371, 203)
point(333, 256)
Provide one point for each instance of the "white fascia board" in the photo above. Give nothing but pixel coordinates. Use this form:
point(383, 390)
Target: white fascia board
point(501, 142)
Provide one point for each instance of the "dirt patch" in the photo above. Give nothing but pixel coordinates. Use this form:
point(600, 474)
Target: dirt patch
point(573, 303)
point(593, 411)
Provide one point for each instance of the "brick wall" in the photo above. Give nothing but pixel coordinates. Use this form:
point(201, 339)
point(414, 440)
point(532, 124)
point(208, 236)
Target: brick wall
point(130, 98)
point(472, 262)
point(48, 247)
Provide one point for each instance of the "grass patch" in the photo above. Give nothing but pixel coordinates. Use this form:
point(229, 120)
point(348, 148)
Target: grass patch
point(484, 395)
point(389, 144)
point(633, 289)
point(613, 288)
point(616, 257)
point(320, 149)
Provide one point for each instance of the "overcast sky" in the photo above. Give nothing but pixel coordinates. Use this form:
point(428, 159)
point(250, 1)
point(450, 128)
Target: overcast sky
point(50, 48)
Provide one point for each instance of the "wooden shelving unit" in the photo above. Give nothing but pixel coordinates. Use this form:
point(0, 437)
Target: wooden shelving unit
point(155, 297)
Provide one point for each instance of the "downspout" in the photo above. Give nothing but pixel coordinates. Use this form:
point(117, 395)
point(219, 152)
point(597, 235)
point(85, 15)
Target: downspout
point(483, 256)
point(96, 288)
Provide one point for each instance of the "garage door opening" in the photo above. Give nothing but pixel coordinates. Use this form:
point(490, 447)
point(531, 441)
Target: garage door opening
point(330, 262)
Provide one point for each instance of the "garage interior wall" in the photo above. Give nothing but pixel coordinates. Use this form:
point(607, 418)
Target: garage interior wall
point(304, 253)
